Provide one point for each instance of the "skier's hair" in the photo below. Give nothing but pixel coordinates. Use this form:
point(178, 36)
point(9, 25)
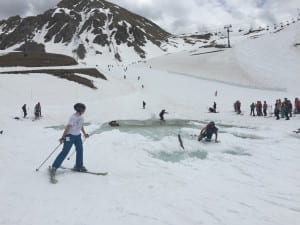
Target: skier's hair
point(79, 107)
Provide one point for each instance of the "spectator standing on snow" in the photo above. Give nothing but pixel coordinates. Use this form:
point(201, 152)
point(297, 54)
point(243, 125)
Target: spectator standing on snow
point(24, 110)
point(297, 105)
point(252, 107)
point(144, 105)
point(259, 108)
point(285, 108)
point(70, 137)
point(238, 107)
point(282, 109)
point(265, 108)
point(37, 110)
point(290, 108)
point(277, 109)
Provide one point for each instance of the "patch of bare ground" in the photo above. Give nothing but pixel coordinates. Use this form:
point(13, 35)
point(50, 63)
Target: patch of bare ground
point(35, 59)
point(68, 74)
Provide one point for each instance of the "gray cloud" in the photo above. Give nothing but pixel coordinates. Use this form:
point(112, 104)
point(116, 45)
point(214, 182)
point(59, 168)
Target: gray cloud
point(13, 7)
point(182, 15)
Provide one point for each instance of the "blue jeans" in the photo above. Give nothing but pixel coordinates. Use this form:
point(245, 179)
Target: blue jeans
point(70, 140)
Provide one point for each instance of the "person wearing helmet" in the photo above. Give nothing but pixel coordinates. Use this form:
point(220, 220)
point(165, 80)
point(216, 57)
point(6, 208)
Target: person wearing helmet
point(72, 136)
point(208, 131)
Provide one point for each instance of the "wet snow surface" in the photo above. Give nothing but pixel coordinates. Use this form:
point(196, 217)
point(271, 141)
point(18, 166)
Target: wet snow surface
point(251, 177)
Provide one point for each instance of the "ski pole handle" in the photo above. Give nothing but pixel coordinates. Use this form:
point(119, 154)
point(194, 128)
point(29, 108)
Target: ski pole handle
point(37, 169)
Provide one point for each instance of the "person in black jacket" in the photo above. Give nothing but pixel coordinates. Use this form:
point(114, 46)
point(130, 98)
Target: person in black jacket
point(208, 131)
point(24, 110)
point(161, 115)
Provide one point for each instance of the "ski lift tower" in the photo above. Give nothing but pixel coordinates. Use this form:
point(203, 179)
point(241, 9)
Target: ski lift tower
point(227, 27)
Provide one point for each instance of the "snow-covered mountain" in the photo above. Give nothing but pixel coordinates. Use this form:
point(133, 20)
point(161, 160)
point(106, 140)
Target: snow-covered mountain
point(85, 27)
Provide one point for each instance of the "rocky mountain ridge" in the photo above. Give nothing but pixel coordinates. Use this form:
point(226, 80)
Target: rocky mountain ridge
point(80, 25)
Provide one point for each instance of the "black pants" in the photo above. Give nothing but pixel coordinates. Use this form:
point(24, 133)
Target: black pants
point(277, 115)
point(252, 113)
point(25, 113)
point(265, 112)
point(287, 116)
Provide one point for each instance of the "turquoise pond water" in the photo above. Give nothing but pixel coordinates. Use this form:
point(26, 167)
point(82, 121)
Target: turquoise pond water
point(156, 131)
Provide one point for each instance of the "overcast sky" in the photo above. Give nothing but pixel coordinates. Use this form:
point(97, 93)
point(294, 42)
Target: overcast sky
point(180, 16)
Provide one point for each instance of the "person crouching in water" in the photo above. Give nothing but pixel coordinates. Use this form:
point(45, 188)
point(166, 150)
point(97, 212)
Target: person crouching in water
point(208, 131)
point(72, 136)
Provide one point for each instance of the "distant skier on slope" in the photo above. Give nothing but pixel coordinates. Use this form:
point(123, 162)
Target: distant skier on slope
point(213, 109)
point(37, 110)
point(144, 105)
point(290, 108)
point(277, 109)
point(24, 110)
point(297, 106)
point(285, 108)
point(265, 108)
point(208, 131)
point(161, 114)
point(237, 107)
point(259, 108)
point(72, 136)
point(252, 107)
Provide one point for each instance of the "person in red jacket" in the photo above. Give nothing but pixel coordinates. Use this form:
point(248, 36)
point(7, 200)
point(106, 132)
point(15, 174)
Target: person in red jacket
point(238, 107)
point(297, 105)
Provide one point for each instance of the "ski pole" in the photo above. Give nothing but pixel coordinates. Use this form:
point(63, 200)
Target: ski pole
point(180, 141)
point(71, 155)
point(37, 169)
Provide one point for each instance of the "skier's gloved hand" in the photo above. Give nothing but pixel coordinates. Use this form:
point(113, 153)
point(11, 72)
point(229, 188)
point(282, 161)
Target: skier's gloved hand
point(86, 135)
point(62, 140)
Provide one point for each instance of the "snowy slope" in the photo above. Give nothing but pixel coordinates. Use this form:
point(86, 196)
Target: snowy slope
point(270, 62)
point(245, 179)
